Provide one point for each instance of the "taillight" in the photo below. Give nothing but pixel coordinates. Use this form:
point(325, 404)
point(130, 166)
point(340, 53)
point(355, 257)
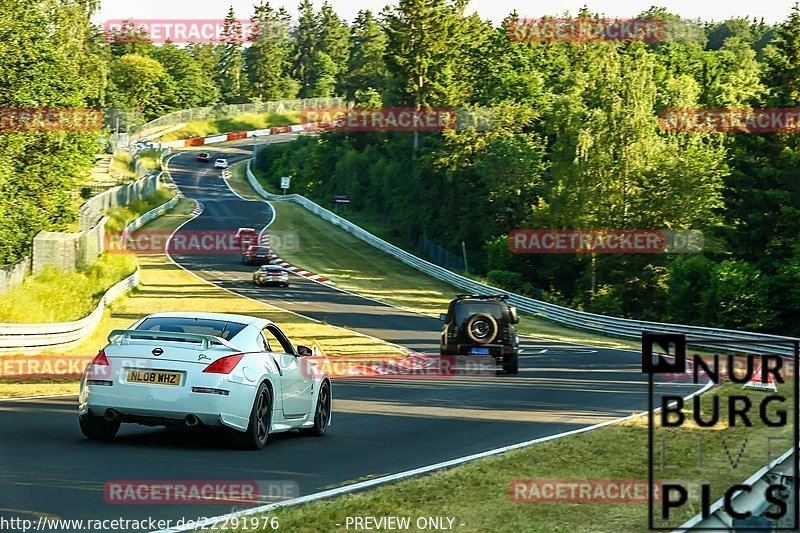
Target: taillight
point(100, 359)
point(224, 365)
point(99, 367)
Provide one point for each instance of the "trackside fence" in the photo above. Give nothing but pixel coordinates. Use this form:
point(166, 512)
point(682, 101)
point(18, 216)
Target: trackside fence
point(605, 325)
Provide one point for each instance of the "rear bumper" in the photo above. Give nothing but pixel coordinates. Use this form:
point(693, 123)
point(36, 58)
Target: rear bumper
point(164, 405)
point(498, 351)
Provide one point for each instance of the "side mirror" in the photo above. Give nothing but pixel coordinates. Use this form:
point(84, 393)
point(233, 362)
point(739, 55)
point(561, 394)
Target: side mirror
point(304, 351)
point(514, 315)
point(443, 317)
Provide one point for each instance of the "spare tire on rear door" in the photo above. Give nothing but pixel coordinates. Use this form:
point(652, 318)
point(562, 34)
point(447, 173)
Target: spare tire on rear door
point(482, 328)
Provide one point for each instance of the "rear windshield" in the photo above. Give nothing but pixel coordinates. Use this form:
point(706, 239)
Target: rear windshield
point(466, 309)
point(258, 249)
point(202, 326)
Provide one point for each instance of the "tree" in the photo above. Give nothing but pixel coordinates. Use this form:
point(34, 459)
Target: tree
point(334, 37)
point(366, 68)
point(231, 62)
point(193, 87)
point(267, 60)
point(142, 85)
point(306, 47)
point(50, 59)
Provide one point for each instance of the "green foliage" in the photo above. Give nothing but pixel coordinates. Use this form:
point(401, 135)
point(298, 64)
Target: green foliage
point(56, 296)
point(736, 297)
point(267, 59)
point(503, 279)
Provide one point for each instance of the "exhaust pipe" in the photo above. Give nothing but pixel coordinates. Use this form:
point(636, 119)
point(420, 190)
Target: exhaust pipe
point(111, 415)
point(191, 421)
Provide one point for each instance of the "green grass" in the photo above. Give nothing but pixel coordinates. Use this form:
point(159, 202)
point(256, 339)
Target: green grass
point(252, 121)
point(151, 159)
point(476, 494)
point(121, 164)
point(119, 217)
point(56, 296)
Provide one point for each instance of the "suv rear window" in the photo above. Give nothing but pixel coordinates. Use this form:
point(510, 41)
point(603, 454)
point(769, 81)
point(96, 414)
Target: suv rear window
point(202, 326)
point(468, 308)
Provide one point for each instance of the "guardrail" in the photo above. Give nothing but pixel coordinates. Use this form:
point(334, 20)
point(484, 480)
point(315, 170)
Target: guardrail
point(33, 337)
point(758, 343)
point(26, 337)
point(780, 470)
point(150, 215)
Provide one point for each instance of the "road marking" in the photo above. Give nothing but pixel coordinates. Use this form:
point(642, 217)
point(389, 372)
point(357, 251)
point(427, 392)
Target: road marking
point(402, 475)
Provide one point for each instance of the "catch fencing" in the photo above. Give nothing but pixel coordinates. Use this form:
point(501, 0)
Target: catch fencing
point(758, 343)
point(233, 110)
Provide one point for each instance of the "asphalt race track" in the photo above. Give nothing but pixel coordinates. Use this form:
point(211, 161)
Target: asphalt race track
point(379, 426)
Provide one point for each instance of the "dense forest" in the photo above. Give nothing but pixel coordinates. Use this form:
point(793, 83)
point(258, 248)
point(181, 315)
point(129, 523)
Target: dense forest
point(576, 142)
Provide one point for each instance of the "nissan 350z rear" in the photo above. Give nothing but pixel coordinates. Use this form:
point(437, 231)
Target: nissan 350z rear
point(204, 369)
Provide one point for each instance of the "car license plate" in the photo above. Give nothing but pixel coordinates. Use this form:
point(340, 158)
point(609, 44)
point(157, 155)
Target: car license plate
point(479, 351)
point(155, 378)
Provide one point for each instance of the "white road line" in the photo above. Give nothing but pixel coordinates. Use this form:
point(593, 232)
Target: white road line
point(403, 475)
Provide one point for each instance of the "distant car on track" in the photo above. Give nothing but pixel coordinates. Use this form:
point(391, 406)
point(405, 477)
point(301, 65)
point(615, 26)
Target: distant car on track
point(257, 255)
point(204, 369)
point(270, 274)
point(221, 163)
point(482, 326)
point(204, 156)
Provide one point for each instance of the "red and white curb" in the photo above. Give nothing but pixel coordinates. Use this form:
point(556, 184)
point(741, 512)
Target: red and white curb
point(226, 174)
point(275, 260)
point(198, 208)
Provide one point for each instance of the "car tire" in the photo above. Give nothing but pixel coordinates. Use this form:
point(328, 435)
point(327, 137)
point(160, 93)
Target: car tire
point(322, 413)
point(97, 428)
point(286, 284)
point(511, 364)
point(257, 433)
point(482, 320)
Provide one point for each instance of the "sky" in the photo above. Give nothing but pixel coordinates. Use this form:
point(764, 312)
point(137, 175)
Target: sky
point(771, 11)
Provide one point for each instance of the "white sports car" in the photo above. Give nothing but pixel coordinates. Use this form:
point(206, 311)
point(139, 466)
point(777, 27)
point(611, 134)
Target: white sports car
point(208, 369)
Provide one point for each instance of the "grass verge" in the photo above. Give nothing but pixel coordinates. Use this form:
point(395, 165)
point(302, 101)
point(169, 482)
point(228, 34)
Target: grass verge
point(166, 287)
point(251, 121)
point(57, 296)
point(119, 217)
point(477, 494)
point(306, 240)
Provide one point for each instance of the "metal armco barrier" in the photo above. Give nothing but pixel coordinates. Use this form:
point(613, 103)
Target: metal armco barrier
point(22, 338)
point(33, 337)
point(605, 325)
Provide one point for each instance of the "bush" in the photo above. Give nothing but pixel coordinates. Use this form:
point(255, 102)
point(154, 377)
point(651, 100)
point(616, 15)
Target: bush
point(510, 281)
point(737, 298)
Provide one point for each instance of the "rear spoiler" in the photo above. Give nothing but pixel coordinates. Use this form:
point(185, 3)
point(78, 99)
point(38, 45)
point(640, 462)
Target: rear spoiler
point(121, 336)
